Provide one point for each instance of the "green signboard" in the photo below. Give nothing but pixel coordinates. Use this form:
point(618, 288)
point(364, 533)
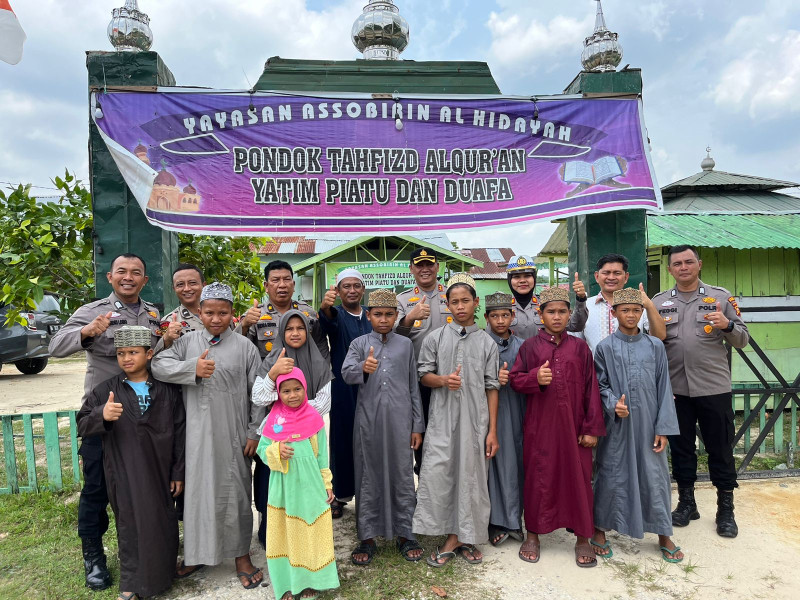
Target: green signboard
point(393, 274)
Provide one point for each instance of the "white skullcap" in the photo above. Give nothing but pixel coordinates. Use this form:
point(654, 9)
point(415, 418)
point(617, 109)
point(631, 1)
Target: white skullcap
point(349, 273)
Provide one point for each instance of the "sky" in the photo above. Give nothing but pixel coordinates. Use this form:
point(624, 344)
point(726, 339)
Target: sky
point(719, 73)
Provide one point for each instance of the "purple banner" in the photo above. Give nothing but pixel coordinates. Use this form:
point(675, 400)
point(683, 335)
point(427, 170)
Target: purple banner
point(241, 164)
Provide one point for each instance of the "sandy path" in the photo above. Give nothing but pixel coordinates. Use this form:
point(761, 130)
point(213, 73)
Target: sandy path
point(760, 563)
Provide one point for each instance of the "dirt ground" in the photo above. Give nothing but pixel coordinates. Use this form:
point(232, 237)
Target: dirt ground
point(760, 563)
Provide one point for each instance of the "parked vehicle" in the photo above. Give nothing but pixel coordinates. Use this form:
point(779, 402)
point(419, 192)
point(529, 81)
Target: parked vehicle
point(27, 345)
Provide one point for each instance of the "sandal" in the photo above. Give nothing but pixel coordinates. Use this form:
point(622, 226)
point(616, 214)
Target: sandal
point(434, 559)
point(530, 546)
point(517, 534)
point(407, 547)
point(585, 551)
point(606, 546)
point(471, 549)
point(367, 548)
point(194, 569)
point(127, 596)
point(253, 584)
point(497, 536)
point(314, 596)
point(672, 553)
point(337, 509)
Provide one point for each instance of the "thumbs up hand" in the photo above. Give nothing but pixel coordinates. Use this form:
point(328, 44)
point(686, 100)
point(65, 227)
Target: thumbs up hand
point(97, 326)
point(579, 289)
point(646, 301)
point(174, 329)
point(112, 411)
point(718, 318)
point(620, 409)
point(453, 381)
point(329, 298)
point(502, 376)
point(371, 364)
point(545, 374)
point(205, 366)
point(421, 311)
point(282, 366)
point(252, 315)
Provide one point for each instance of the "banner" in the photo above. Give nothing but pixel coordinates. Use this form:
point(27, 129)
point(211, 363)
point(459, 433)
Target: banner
point(245, 164)
point(393, 274)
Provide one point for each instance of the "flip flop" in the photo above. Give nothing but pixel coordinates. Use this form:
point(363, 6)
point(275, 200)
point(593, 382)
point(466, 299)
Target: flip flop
point(194, 569)
point(500, 534)
point(127, 596)
point(530, 546)
point(407, 547)
point(337, 509)
point(672, 553)
point(606, 546)
point(585, 551)
point(434, 562)
point(462, 551)
point(253, 584)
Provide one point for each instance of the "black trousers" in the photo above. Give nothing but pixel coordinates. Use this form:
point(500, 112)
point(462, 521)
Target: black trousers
point(92, 513)
point(425, 396)
point(714, 415)
point(260, 496)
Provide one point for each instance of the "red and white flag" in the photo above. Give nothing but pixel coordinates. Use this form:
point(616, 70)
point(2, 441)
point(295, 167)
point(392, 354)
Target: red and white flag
point(11, 35)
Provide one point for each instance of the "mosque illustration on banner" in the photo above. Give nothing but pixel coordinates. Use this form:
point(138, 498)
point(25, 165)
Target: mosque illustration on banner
point(166, 194)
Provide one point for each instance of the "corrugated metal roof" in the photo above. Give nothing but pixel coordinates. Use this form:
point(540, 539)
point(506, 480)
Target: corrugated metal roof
point(557, 245)
point(722, 202)
point(719, 179)
point(491, 269)
point(725, 231)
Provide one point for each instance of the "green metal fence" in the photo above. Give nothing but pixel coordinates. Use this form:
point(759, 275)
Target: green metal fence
point(48, 441)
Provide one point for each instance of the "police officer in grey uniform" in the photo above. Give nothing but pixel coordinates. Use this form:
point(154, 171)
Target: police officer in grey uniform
point(187, 282)
point(260, 324)
point(422, 309)
point(91, 328)
point(521, 274)
point(698, 318)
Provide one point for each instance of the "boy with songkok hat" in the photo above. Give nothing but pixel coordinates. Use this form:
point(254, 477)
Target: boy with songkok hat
point(388, 425)
point(217, 368)
point(460, 362)
point(505, 469)
point(142, 424)
point(563, 420)
point(631, 482)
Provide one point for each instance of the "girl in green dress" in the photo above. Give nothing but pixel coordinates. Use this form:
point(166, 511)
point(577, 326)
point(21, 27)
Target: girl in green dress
point(294, 446)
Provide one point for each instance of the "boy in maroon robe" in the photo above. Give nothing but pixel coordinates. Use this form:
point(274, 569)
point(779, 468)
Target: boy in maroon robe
point(563, 420)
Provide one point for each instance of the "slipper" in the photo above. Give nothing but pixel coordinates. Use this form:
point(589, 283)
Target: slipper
point(337, 509)
point(606, 546)
point(464, 549)
point(672, 553)
point(194, 569)
point(434, 562)
point(253, 584)
point(500, 534)
point(408, 546)
point(367, 548)
point(314, 597)
point(127, 596)
point(530, 546)
point(517, 534)
point(585, 551)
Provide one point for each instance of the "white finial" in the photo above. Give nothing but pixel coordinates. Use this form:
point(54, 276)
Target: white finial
point(601, 50)
point(380, 33)
point(708, 163)
point(129, 29)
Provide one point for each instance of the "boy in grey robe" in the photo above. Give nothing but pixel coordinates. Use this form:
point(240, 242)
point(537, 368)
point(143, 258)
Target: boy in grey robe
point(217, 368)
point(460, 362)
point(388, 427)
point(506, 476)
point(631, 484)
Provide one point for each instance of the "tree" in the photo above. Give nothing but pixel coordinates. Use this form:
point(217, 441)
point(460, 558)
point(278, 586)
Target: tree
point(45, 247)
point(229, 260)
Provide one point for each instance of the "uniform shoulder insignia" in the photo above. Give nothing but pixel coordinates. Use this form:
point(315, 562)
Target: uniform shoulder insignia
point(441, 287)
point(295, 305)
point(735, 304)
point(100, 302)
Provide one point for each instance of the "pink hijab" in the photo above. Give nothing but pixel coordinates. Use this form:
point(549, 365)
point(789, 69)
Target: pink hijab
point(285, 424)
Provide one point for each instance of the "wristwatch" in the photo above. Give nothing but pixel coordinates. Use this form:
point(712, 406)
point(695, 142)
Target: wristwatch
point(729, 328)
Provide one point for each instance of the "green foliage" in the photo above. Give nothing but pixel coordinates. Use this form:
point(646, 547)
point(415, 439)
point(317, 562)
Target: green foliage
point(46, 246)
point(230, 260)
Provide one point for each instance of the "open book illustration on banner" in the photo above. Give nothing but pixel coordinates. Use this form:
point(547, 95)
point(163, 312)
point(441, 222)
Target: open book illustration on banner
point(600, 172)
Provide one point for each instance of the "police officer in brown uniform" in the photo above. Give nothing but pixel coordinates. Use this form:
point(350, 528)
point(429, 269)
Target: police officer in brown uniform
point(698, 318)
point(260, 324)
point(91, 328)
point(422, 309)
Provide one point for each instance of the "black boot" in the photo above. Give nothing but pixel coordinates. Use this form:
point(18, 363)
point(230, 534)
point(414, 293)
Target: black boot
point(94, 564)
point(687, 508)
point(726, 525)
